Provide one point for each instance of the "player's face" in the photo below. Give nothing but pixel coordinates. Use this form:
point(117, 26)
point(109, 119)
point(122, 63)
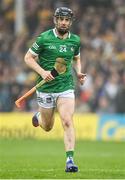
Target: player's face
point(63, 24)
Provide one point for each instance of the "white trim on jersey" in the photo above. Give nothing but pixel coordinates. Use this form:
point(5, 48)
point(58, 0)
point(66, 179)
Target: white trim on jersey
point(32, 52)
point(54, 31)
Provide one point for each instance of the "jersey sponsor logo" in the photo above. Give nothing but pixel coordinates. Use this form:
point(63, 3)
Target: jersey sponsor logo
point(62, 48)
point(52, 46)
point(35, 46)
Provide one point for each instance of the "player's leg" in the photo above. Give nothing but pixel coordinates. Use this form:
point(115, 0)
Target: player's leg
point(45, 116)
point(65, 106)
point(66, 109)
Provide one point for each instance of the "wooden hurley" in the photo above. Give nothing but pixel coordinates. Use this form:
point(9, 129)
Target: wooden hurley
point(59, 68)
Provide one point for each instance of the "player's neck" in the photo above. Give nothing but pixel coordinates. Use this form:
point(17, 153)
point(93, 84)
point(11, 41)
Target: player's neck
point(64, 36)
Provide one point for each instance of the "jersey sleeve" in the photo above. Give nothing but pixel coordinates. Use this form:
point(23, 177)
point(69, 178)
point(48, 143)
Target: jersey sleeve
point(77, 49)
point(37, 46)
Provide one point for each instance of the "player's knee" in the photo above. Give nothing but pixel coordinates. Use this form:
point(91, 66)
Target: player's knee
point(67, 122)
point(48, 128)
point(47, 125)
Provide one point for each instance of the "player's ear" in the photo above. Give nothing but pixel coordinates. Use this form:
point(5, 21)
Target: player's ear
point(54, 20)
point(70, 23)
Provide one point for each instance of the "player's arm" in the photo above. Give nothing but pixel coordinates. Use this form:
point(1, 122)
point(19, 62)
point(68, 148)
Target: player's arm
point(77, 65)
point(31, 60)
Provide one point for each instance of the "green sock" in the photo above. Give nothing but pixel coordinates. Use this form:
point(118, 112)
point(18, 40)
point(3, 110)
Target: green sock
point(69, 154)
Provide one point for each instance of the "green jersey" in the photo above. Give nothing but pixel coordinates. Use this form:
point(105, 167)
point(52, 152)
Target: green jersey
point(48, 46)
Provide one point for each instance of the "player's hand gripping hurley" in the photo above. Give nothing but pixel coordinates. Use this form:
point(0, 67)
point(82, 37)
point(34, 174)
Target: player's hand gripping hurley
point(59, 68)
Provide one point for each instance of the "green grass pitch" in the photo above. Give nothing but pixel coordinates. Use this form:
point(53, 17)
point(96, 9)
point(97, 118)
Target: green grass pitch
point(45, 159)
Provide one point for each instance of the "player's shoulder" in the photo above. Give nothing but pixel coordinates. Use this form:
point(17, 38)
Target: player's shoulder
point(46, 34)
point(75, 37)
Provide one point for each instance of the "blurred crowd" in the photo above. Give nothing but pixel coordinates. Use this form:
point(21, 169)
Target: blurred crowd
point(101, 26)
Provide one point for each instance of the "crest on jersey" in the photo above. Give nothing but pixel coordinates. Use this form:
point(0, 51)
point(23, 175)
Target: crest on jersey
point(72, 49)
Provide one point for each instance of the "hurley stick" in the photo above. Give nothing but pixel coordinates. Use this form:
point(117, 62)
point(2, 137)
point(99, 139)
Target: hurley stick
point(59, 68)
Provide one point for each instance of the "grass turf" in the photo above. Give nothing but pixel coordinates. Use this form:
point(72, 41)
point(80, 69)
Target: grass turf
point(43, 159)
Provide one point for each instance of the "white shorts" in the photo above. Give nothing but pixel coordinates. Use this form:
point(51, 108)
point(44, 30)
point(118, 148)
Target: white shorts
point(48, 100)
